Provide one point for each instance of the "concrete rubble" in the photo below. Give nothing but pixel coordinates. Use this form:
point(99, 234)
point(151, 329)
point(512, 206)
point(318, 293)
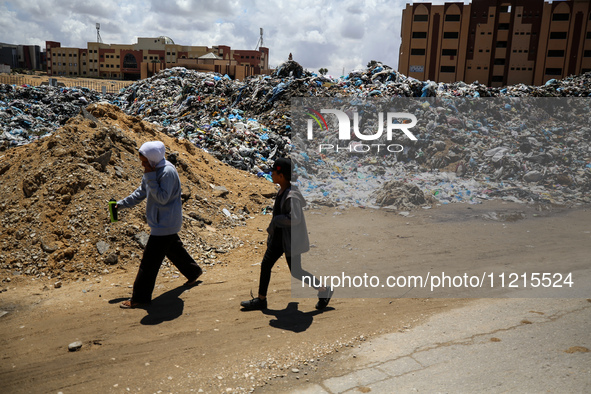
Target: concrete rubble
point(247, 124)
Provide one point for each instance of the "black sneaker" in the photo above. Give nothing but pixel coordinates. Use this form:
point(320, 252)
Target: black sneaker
point(323, 301)
point(254, 304)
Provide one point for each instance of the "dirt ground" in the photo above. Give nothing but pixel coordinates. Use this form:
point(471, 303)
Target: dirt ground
point(198, 339)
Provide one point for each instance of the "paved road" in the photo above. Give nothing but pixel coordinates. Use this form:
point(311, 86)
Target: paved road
point(491, 345)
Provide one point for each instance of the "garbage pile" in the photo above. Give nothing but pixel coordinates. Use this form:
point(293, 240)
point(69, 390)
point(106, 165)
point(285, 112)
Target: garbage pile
point(519, 149)
point(247, 124)
point(400, 195)
point(30, 112)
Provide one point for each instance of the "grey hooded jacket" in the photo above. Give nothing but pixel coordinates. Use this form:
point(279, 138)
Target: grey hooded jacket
point(162, 188)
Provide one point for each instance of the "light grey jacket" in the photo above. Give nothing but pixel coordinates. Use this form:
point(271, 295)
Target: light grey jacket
point(162, 188)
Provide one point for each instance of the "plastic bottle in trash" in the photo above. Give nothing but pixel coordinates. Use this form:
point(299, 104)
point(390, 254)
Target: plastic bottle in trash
point(113, 210)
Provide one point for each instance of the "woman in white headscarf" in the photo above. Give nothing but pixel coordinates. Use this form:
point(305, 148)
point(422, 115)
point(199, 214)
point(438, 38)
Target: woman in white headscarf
point(161, 186)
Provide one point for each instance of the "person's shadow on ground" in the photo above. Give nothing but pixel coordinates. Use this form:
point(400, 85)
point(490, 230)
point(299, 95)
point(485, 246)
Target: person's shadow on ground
point(166, 307)
point(291, 318)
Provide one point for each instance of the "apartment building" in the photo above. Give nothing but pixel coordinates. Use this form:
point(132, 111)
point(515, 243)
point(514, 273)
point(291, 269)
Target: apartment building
point(150, 55)
point(496, 42)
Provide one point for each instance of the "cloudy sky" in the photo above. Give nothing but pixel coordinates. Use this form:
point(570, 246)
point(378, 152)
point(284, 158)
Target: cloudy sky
point(337, 35)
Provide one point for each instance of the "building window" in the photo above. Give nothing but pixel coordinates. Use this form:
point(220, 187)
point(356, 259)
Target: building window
point(448, 69)
point(497, 78)
point(558, 35)
point(560, 17)
point(499, 62)
point(417, 52)
point(452, 18)
point(501, 44)
point(589, 35)
point(421, 18)
point(503, 26)
point(450, 34)
point(419, 34)
point(556, 53)
point(505, 8)
point(587, 53)
point(449, 52)
point(553, 71)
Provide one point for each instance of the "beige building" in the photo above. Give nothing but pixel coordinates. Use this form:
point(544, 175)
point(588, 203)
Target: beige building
point(150, 55)
point(496, 42)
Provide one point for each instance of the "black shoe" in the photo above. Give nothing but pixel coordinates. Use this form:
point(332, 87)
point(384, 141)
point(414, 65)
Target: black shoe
point(254, 304)
point(323, 301)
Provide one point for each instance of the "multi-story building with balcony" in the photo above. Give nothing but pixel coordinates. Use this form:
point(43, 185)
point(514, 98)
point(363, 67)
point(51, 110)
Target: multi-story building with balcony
point(496, 42)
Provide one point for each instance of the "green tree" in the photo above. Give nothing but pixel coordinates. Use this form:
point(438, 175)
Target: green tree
point(322, 71)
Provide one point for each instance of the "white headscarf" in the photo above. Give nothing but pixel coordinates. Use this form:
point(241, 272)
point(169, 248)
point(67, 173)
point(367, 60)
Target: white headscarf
point(154, 151)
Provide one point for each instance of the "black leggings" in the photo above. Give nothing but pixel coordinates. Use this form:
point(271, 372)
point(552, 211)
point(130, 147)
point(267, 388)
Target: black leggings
point(273, 253)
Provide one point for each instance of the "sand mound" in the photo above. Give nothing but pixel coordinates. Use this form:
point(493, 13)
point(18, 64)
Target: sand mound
point(54, 197)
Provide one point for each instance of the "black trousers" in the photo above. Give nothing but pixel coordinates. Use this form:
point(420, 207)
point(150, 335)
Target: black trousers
point(157, 248)
point(272, 254)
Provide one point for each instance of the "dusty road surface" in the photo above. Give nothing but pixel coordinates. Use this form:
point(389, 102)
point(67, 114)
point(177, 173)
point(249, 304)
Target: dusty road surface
point(192, 340)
